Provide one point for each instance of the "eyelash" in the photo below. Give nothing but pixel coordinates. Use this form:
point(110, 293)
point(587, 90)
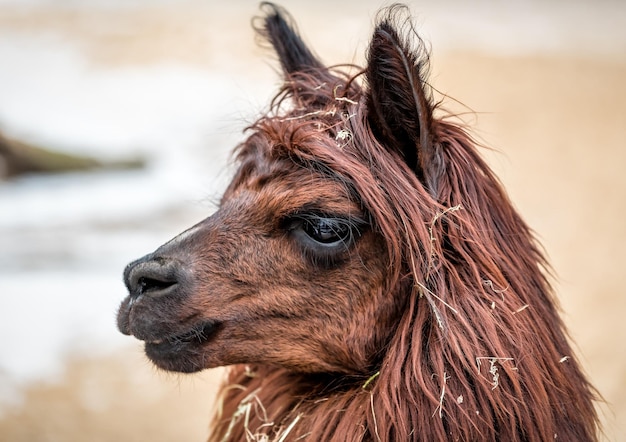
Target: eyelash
point(324, 237)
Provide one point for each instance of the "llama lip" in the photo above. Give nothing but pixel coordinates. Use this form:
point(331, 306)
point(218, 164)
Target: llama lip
point(197, 335)
point(182, 352)
point(155, 342)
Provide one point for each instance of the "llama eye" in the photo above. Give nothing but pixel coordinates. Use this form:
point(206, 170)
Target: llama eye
point(323, 234)
point(327, 231)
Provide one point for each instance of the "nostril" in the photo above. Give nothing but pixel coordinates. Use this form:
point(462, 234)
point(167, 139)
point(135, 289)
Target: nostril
point(152, 276)
point(148, 285)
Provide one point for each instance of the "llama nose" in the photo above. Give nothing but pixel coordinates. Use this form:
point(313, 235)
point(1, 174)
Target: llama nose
point(152, 276)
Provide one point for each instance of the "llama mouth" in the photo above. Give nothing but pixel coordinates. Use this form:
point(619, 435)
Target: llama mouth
point(197, 335)
point(183, 352)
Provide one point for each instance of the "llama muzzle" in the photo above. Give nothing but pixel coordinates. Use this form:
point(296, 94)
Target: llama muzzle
point(150, 276)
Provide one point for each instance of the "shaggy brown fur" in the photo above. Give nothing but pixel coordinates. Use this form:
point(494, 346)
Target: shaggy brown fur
point(366, 273)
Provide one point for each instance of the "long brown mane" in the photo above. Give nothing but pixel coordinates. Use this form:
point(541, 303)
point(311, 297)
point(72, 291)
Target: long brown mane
point(479, 351)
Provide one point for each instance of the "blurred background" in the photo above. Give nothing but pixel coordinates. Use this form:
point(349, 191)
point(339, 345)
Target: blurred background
point(143, 100)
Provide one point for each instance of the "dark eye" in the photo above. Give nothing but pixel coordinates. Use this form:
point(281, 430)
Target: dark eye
point(327, 231)
point(324, 235)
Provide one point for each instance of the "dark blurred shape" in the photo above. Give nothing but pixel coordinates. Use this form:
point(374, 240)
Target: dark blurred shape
point(20, 158)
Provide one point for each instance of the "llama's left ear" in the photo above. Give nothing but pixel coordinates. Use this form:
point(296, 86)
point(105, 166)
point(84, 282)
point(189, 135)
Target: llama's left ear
point(400, 108)
point(278, 28)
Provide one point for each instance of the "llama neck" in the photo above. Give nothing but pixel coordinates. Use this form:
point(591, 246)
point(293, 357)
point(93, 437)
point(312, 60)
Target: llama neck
point(266, 402)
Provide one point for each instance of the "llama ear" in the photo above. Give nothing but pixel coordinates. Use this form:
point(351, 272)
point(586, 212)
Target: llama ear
point(279, 29)
point(400, 108)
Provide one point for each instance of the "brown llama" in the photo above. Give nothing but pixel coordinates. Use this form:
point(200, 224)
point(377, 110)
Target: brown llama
point(365, 277)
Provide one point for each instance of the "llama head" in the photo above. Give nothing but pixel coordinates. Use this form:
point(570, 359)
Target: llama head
point(334, 228)
point(294, 269)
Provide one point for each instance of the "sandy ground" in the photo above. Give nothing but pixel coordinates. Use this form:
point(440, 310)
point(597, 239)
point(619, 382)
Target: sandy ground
point(557, 122)
point(118, 398)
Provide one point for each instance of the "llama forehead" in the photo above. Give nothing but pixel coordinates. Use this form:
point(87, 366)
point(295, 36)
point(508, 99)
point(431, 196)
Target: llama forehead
point(274, 180)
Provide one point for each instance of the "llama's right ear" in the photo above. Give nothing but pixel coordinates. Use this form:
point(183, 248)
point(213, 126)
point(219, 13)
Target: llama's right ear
point(279, 29)
point(400, 109)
